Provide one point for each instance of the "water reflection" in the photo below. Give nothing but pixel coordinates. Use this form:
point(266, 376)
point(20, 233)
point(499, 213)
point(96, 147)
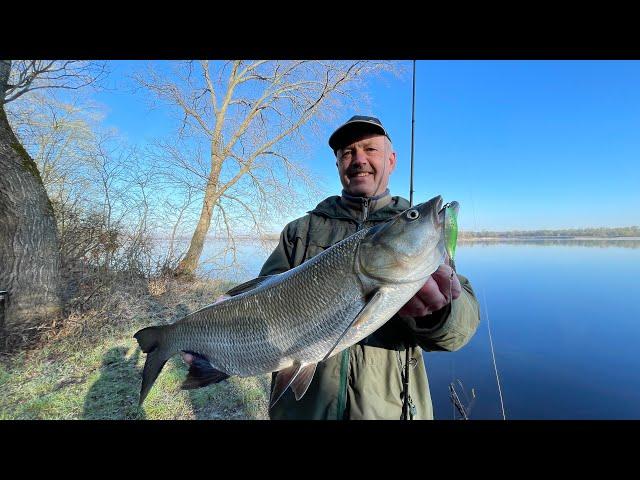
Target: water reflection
point(565, 326)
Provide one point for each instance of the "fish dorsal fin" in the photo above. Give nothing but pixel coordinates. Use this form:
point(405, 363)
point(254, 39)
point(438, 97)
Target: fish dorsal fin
point(362, 317)
point(303, 380)
point(283, 379)
point(246, 286)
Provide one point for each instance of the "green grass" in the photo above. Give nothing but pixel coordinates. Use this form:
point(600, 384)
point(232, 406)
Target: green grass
point(99, 377)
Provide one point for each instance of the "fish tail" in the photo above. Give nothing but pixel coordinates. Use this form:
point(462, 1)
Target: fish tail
point(150, 340)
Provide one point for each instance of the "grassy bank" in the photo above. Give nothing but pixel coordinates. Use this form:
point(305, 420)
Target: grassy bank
point(91, 368)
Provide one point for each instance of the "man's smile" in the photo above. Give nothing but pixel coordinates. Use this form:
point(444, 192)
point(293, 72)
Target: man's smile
point(359, 174)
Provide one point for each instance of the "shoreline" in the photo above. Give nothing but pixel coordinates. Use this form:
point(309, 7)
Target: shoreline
point(528, 239)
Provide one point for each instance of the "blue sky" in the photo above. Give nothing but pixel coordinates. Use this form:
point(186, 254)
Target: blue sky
point(520, 144)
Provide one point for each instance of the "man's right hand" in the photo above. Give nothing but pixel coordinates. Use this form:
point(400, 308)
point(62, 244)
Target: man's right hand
point(434, 294)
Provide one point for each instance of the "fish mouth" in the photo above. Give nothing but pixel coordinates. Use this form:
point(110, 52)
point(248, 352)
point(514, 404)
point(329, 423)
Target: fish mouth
point(453, 205)
point(442, 209)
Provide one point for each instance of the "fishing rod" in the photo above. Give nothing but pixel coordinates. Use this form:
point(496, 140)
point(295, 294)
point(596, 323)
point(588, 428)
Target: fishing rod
point(413, 124)
point(405, 403)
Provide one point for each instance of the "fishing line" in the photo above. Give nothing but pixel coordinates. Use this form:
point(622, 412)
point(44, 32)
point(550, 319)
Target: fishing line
point(493, 355)
point(453, 395)
point(453, 405)
point(486, 315)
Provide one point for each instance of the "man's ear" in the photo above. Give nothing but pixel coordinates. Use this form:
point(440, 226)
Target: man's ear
point(392, 161)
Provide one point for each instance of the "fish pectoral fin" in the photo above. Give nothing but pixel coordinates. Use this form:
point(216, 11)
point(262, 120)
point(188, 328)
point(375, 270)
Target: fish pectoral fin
point(201, 373)
point(371, 306)
point(283, 379)
point(302, 381)
point(250, 285)
point(362, 317)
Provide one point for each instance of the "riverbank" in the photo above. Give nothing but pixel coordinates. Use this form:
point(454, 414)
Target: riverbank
point(90, 368)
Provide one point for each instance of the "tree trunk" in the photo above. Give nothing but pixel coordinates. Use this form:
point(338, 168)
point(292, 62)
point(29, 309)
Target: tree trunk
point(29, 255)
point(189, 263)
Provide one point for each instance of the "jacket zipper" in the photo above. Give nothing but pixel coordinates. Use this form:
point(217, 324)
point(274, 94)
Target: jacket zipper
point(344, 360)
point(365, 212)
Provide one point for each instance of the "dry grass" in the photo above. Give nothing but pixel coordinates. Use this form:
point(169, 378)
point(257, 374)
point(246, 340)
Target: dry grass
point(89, 365)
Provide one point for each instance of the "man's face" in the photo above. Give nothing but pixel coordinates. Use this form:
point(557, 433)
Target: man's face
point(365, 164)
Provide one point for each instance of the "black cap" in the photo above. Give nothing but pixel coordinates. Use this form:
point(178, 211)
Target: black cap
point(355, 126)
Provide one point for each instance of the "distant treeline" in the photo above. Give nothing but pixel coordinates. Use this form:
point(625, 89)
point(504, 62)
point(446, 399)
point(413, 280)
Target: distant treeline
point(591, 242)
point(557, 234)
point(617, 232)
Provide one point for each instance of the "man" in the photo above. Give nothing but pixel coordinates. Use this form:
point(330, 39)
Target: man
point(365, 380)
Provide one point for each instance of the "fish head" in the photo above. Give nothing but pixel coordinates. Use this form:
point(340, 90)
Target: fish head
point(407, 248)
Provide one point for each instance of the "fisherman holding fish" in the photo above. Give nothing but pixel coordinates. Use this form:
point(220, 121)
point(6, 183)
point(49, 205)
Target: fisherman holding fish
point(365, 380)
point(344, 306)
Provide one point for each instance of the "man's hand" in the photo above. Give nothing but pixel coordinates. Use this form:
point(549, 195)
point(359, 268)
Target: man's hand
point(441, 287)
point(187, 357)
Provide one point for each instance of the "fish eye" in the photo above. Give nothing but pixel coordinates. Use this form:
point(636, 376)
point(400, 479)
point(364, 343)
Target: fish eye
point(413, 214)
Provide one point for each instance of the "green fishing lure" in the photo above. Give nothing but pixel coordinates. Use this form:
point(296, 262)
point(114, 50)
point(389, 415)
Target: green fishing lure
point(451, 229)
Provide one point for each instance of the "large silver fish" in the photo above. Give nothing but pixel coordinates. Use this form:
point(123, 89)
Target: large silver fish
point(287, 323)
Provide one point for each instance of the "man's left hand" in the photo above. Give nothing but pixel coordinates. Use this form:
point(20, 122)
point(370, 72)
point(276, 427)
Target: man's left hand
point(441, 287)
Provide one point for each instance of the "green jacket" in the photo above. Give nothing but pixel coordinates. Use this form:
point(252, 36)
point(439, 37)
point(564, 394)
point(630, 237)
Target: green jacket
point(365, 381)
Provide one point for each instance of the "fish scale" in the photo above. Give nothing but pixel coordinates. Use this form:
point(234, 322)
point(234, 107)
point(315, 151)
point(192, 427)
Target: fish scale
point(245, 345)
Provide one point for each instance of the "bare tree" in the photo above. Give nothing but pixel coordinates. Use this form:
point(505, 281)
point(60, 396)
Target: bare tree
point(241, 123)
point(29, 257)
point(29, 75)
point(63, 140)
